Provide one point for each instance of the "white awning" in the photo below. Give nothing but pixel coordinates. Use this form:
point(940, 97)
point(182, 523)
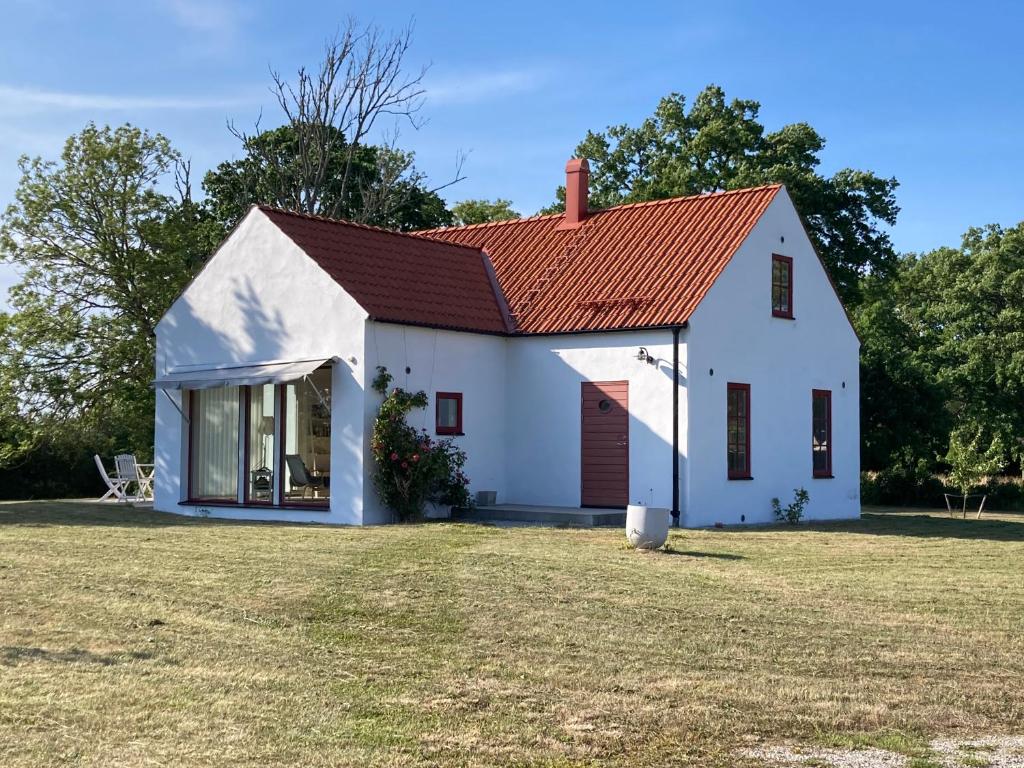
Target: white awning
point(239, 375)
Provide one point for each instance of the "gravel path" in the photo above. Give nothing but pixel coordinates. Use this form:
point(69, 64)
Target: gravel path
point(983, 752)
point(995, 751)
point(820, 756)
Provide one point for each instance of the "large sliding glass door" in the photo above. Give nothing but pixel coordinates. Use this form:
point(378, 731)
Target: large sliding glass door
point(213, 444)
point(273, 438)
point(261, 431)
point(306, 439)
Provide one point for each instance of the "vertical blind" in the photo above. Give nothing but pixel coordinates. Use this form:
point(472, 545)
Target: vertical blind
point(215, 443)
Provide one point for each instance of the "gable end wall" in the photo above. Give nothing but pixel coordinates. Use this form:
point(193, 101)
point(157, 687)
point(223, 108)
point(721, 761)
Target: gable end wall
point(260, 298)
point(734, 333)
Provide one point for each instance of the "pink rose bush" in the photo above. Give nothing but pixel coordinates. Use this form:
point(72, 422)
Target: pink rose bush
point(411, 468)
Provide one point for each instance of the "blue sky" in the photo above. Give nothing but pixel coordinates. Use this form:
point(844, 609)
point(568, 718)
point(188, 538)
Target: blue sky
point(931, 93)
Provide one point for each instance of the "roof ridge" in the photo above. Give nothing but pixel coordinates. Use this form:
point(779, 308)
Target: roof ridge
point(428, 233)
point(687, 198)
point(483, 224)
point(357, 225)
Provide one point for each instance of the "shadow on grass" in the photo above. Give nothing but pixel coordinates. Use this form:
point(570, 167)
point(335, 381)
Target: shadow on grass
point(900, 523)
point(707, 555)
point(12, 655)
point(64, 513)
point(924, 525)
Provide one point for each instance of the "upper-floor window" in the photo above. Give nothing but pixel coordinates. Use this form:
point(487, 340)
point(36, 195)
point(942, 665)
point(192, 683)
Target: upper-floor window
point(782, 286)
point(821, 432)
point(738, 431)
point(449, 413)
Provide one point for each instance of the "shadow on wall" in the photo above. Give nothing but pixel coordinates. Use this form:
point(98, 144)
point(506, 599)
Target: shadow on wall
point(197, 342)
point(263, 334)
point(545, 423)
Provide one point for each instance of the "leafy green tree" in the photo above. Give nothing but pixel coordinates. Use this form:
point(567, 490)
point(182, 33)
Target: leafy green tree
point(965, 309)
point(102, 253)
point(969, 463)
point(369, 184)
point(719, 145)
point(904, 418)
point(482, 211)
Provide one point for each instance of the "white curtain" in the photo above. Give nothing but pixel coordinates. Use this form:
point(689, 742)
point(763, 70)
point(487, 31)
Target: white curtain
point(215, 444)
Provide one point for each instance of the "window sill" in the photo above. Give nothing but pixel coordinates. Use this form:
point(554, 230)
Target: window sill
point(450, 434)
point(254, 505)
point(741, 477)
point(783, 315)
point(824, 477)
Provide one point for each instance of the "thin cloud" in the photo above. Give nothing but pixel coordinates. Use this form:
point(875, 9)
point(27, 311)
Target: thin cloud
point(206, 16)
point(484, 86)
point(14, 100)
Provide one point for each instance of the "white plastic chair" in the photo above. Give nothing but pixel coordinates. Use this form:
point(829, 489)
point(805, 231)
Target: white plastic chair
point(115, 484)
point(130, 471)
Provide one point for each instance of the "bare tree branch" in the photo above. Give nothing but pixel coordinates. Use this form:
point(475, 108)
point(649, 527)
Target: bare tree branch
point(332, 110)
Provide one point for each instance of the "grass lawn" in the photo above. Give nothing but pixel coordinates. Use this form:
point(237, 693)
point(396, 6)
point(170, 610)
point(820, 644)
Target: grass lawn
point(130, 638)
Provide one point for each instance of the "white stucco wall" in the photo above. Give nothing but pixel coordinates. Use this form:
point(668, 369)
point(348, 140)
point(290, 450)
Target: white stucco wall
point(442, 361)
point(545, 374)
point(261, 299)
point(734, 333)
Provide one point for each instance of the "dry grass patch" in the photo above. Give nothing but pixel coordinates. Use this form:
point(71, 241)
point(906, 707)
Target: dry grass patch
point(131, 638)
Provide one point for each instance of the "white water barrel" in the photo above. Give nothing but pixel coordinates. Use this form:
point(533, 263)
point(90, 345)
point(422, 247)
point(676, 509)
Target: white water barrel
point(647, 527)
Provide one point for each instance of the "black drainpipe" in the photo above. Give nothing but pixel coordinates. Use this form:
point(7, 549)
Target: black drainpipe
point(675, 425)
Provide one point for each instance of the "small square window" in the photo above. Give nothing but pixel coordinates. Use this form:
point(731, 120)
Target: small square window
point(782, 286)
point(449, 413)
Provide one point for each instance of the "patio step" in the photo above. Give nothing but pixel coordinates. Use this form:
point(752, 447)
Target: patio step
point(528, 513)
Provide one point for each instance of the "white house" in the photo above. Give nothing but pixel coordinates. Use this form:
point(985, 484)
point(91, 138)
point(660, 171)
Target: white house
point(688, 353)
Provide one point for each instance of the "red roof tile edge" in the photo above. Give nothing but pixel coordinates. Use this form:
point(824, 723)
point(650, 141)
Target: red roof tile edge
point(646, 203)
point(356, 225)
point(507, 316)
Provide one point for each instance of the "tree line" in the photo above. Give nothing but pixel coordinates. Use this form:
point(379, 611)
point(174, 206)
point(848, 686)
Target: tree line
point(106, 237)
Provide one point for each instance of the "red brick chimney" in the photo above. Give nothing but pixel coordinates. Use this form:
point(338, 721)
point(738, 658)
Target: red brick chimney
point(577, 177)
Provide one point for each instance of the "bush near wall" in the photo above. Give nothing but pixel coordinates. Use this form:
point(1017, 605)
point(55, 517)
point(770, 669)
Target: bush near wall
point(908, 488)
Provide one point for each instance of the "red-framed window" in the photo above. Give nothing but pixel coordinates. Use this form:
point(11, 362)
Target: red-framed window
point(448, 413)
point(782, 286)
point(738, 431)
point(821, 432)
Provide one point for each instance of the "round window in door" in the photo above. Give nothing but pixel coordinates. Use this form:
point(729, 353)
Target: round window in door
point(604, 406)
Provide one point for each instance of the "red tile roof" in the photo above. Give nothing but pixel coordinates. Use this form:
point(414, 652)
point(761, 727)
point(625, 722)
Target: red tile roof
point(400, 278)
point(641, 265)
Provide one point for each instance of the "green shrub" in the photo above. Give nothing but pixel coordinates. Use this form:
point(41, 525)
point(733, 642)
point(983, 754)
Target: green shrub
point(900, 488)
point(410, 468)
point(904, 484)
point(791, 513)
point(1005, 493)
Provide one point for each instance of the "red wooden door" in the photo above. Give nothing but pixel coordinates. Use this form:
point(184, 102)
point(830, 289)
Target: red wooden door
point(605, 449)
